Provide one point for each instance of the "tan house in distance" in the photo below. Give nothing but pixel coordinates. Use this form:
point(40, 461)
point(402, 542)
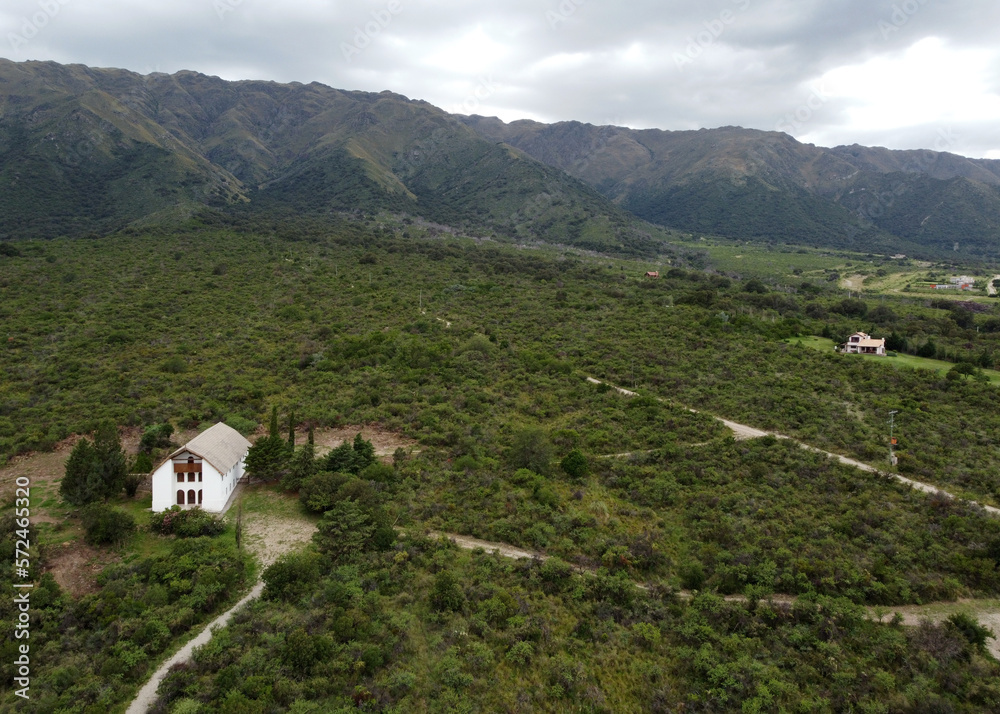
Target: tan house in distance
point(862, 344)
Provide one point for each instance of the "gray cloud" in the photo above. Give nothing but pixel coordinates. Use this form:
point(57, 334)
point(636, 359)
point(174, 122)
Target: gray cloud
point(672, 65)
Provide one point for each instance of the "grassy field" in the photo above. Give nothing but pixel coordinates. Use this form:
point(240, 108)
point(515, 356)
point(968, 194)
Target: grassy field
point(785, 263)
point(899, 360)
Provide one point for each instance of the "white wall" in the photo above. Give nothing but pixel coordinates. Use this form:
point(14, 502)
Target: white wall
point(215, 487)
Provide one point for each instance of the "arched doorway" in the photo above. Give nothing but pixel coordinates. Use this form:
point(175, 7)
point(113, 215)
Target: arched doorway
point(180, 498)
point(191, 497)
point(199, 496)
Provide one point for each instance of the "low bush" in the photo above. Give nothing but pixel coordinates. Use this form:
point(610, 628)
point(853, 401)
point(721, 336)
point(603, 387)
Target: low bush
point(104, 525)
point(186, 524)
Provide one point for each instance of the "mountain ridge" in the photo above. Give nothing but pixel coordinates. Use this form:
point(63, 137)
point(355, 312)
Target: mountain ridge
point(723, 180)
point(94, 150)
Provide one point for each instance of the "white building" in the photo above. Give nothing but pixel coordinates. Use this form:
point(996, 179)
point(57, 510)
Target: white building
point(863, 344)
point(204, 472)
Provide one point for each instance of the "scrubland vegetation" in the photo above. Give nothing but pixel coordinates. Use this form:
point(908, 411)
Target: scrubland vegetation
point(480, 353)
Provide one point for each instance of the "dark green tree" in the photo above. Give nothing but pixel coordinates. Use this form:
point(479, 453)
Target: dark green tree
point(345, 532)
point(351, 457)
point(575, 464)
point(532, 450)
point(301, 466)
point(291, 432)
point(112, 463)
point(364, 454)
point(267, 458)
point(273, 427)
point(340, 459)
point(80, 484)
point(95, 470)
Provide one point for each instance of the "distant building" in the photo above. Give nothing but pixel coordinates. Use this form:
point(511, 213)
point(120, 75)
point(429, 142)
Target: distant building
point(653, 274)
point(863, 344)
point(961, 283)
point(899, 256)
point(204, 472)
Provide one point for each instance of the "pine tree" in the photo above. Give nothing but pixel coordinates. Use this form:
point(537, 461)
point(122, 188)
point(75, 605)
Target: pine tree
point(301, 467)
point(291, 432)
point(267, 458)
point(95, 470)
point(111, 460)
point(80, 483)
point(364, 454)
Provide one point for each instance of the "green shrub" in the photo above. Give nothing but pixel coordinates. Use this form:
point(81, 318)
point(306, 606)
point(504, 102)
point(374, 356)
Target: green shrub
point(575, 464)
point(520, 653)
point(174, 365)
point(193, 523)
point(319, 492)
point(104, 525)
point(291, 576)
point(243, 426)
point(447, 594)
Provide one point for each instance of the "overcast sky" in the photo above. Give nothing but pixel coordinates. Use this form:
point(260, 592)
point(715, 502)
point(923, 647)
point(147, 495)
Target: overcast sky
point(896, 73)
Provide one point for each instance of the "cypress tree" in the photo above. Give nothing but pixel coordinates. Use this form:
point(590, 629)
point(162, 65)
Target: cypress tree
point(273, 430)
point(291, 432)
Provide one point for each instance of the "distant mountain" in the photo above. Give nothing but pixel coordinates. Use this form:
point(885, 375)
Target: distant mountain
point(760, 185)
point(85, 149)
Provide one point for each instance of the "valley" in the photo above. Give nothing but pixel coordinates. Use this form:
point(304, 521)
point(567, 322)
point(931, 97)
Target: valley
point(544, 417)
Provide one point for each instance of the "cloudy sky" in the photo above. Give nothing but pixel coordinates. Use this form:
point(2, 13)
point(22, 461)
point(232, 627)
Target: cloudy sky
point(896, 73)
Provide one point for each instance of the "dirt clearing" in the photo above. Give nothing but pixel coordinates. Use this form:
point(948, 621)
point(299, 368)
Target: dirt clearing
point(75, 567)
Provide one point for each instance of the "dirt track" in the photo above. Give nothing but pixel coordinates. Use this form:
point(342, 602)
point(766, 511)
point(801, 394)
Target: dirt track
point(268, 537)
point(742, 432)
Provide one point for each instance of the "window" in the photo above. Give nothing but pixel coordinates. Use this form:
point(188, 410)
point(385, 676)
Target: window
point(180, 498)
point(199, 477)
point(180, 477)
point(191, 476)
point(191, 497)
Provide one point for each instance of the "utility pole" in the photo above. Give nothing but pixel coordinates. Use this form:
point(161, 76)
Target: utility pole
point(892, 439)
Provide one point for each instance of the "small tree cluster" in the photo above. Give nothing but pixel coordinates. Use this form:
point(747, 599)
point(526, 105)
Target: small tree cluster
point(95, 470)
point(351, 457)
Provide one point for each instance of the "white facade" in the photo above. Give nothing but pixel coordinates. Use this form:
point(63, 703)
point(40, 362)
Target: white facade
point(204, 472)
point(861, 343)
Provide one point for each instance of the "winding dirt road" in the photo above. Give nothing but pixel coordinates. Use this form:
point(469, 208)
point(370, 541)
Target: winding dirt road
point(986, 612)
point(742, 432)
point(267, 537)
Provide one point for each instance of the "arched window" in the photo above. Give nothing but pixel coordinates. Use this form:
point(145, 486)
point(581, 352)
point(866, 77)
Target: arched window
point(180, 498)
point(199, 496)
point(191, 497)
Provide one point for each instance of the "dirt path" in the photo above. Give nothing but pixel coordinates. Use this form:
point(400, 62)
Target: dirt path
point(742, 431)
point(986, 612)
point(268, 537)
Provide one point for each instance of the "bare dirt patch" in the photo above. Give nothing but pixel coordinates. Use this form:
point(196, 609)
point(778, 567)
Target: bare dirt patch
point(270, 536)
point(385, 442)
point(76, 565)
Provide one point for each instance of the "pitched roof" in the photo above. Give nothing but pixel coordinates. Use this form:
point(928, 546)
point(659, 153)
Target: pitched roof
point(872, 342)
point(220, 445)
